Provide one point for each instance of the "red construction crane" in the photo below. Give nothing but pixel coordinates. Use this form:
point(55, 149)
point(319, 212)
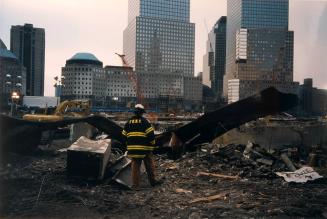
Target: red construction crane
point(136, 86)
point(132, 76)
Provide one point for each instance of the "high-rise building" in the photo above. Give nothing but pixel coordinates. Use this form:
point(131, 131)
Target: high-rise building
point(12, 77)
point(259, 49)
point(214, 61)
point(159, 45)
point(313, 101)
point(28, 44)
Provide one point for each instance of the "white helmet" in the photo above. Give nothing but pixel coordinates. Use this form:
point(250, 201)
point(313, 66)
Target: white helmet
point(139, 109)
point(139, 106)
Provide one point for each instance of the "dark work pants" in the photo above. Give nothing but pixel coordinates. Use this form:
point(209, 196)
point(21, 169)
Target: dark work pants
point(149, 166)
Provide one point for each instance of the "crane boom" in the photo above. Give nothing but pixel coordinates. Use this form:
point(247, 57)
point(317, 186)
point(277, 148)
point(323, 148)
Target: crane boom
point(133, 78)
point(136, 86)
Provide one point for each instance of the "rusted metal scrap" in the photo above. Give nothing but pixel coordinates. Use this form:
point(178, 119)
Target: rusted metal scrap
point(212, 125)
point(122, 168)
point(23, 136)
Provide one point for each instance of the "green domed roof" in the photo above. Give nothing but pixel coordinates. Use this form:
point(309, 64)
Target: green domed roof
point(4, 53)
point(84, 58)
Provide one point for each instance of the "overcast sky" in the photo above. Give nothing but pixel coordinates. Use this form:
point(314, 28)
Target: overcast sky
point(96, 26)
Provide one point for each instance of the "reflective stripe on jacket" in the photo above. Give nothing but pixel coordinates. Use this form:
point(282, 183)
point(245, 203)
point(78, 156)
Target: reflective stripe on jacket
point(139, 137)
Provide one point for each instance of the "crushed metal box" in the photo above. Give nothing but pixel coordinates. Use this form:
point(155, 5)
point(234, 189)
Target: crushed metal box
point(87, 158)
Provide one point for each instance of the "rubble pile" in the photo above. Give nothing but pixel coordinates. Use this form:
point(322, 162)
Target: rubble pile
point(213, 182)
point(253, 160)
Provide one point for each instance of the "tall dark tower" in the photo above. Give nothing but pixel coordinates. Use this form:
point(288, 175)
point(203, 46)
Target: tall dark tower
point(28, 44)
point(214, 62)
point(259, 50)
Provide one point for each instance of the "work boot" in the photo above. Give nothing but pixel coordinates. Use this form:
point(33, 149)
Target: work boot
point(135, 188)
point(156, 183)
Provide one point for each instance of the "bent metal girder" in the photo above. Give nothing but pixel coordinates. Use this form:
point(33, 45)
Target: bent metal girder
point(24, 136)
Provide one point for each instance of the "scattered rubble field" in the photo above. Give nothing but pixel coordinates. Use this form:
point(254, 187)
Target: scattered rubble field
point(38, 187)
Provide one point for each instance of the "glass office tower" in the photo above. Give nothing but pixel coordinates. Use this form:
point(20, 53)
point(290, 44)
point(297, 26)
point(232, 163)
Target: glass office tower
point(259, 44)
point(159, 43)
point(160, 37)
point(215, 59)
point(28, 44)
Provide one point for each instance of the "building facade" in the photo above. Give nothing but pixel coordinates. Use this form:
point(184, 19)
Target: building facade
point(12, 77)
point(259, 46)
point(214, 61)
point(83, 78)
point(313, 101)
point(120, 92)
point(112, 87)
point(159, 45)
point(240, 89)
point(28, 44)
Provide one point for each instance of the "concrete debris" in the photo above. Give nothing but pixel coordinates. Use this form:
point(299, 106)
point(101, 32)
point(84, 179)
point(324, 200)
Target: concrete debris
point(253, 160)
point(265, 161)
point(288, 162)
point(123, 175)
point(87, 158)
point(62, 150)
point(172, 166)
point(120, 163)
point(248, 150)
point(302, 175)
point(258, 193)
point(121, 171)
point(102, 137)
point(81, 129)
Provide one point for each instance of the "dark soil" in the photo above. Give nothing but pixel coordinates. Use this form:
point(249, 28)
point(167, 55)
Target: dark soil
point(38, 187)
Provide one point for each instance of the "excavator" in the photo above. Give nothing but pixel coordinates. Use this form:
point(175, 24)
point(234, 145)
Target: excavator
point(67, 108)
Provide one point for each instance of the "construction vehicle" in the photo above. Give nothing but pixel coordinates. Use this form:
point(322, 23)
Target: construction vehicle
point(68, 108)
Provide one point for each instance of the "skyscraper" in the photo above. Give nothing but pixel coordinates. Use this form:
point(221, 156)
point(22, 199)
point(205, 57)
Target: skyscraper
point(214, 62)
point(259, 49)
point(28, 44)
point(159, 41)
point(12, 77)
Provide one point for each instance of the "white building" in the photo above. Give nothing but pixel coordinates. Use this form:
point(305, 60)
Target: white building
point(119, 83)
point(84, 77)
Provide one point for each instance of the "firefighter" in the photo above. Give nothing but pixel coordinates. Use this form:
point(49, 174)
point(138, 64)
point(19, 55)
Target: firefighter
point(140, 141)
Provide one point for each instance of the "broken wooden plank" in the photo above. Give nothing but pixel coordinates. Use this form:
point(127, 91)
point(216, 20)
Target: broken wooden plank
point(218, 175)
point(209, 198)
point(183, 191)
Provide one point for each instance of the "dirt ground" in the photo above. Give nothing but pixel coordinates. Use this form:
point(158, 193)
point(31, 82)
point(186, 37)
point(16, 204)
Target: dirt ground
point(38, 187)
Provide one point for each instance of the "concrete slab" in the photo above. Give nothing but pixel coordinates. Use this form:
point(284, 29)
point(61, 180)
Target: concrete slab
point(87, 158)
